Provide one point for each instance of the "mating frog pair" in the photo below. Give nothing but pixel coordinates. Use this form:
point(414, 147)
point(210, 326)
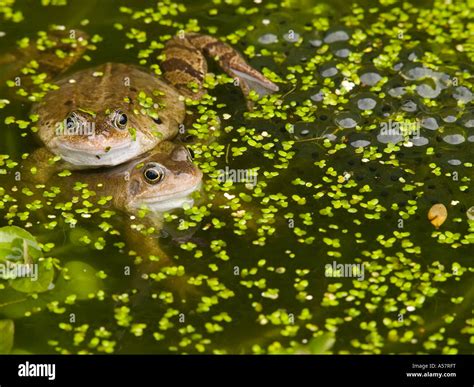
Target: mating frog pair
point(113, 113)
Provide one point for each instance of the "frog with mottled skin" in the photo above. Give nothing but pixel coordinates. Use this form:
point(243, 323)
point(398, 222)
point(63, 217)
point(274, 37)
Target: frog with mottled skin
point(160, 180)
point(109, 114)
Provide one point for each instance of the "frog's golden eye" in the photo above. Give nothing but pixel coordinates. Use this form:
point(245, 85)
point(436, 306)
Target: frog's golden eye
point(153, 173)
point(119, 120)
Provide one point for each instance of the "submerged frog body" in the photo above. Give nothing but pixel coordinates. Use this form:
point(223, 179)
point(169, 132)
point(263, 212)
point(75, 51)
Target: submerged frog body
point(111, 113)
point(160, 180)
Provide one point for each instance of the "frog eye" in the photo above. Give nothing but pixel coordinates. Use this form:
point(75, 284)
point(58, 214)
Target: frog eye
point(190, 154)
point(72, 121)
point(120, 120)
point(153, 173)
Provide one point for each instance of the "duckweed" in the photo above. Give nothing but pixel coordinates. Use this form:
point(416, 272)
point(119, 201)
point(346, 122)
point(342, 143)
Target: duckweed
point(348, 159)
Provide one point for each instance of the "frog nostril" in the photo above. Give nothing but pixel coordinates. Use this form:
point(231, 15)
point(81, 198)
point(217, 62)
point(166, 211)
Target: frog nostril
point(102, 129)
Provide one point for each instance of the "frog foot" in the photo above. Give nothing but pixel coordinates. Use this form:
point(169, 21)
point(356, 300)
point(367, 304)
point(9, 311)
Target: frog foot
point(185, 65)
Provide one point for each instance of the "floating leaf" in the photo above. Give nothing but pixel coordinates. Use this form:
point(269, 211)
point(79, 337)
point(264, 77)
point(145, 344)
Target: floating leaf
point(18, 245)
point(83, 280)
point(7, 331)
point(322, 344)
point(20, 255)
point(41, 282)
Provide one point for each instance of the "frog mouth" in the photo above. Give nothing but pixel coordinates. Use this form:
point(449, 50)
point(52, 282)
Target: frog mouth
point(90, 158)
point(168, 202)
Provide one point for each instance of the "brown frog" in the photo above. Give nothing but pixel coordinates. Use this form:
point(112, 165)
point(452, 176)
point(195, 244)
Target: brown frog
point(160, 180)
point(112, 113)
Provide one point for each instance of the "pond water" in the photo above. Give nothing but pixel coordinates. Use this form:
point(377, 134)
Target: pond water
point(372, 126)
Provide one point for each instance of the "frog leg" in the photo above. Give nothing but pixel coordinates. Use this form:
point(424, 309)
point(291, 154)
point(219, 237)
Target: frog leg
point(146, 246)
point(234, 64)
point(7, 58)
point(185, 63)
point(42, 156)
point(49, 54)
point(71, 43)
point(184, 67)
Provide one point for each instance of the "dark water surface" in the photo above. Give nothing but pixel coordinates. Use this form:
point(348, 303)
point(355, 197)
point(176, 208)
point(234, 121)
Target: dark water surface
point(338, 183)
